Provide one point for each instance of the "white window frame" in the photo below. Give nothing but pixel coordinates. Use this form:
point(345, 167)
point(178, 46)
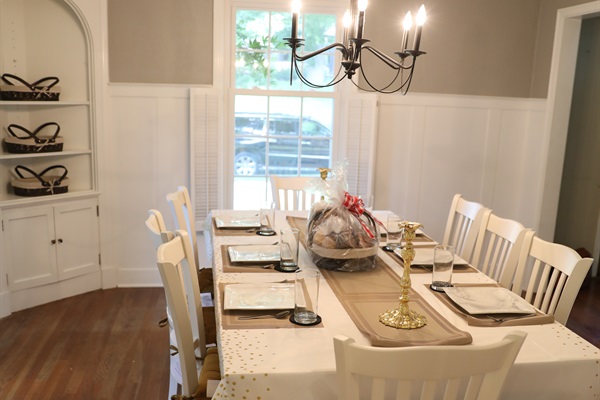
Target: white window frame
point(337, 8)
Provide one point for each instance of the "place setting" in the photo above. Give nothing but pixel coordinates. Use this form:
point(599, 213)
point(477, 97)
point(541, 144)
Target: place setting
point(280, 256)
point(424, 260)
point(287, 303)
point(480, 304)
point(247, 223)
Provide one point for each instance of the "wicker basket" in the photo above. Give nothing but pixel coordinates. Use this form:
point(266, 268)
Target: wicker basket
point(44, 89)
point(343, 257)
point(41, 184)
point(33, 142)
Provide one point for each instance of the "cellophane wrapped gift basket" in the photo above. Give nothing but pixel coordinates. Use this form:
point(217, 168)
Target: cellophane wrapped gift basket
point(341, 234)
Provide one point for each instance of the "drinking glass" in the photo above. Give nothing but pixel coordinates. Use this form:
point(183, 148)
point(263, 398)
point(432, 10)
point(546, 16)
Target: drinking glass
point(288, 247)
point(306, 296)
point(443, 261)
point(267, 219)
point(394, 232)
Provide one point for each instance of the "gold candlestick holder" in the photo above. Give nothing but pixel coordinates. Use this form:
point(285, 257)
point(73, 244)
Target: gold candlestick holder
point(402, 317)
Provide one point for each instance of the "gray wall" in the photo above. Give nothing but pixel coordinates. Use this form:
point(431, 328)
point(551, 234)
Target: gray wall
point(475, 47)
point(160, 41)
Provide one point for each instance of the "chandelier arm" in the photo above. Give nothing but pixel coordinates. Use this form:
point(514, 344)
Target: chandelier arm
point(383, 89)
point(386, 59)
point(333, 82)
point(308, 56)
point(404, 85)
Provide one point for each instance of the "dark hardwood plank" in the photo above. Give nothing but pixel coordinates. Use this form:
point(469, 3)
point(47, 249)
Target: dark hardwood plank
point(585, 315)
point(102, 345)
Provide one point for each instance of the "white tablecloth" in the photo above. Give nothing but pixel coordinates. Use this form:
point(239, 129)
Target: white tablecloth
point(299, 364)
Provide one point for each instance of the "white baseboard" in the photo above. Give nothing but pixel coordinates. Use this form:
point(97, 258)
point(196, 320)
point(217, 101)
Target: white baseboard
point(138, 277)
point(31, 297)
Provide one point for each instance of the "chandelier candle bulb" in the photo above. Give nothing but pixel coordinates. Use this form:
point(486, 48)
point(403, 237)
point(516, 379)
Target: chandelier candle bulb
point(421, 16)
point(406, 24)
point(362, 6)
point(346, 21)
point(295, 11)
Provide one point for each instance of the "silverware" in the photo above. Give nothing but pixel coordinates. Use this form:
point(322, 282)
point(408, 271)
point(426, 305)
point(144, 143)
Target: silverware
point(279, 315)
point(504, 319)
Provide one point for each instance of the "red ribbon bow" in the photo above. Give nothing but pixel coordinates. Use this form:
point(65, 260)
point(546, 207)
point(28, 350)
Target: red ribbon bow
point(356, 206)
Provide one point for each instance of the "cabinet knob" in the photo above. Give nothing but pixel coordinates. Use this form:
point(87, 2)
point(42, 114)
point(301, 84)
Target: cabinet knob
point(60, 240)
point(53, 241)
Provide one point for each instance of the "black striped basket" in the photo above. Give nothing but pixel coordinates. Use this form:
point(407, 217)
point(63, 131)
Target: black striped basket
point(44, 89)
point(22, 140)
point(52, 180)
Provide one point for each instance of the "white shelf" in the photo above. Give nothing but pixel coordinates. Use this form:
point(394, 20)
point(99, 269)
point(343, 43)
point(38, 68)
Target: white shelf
point(20, 156)
point(59, 103)
point(14, 200)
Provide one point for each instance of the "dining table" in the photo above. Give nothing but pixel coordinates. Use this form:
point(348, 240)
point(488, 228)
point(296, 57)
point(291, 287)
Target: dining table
point(274, 359)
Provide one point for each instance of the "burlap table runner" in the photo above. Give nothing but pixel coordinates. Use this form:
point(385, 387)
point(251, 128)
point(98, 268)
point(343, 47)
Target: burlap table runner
point(367, 294)
point(229, 267)
point(496, 319)
point(229, 318)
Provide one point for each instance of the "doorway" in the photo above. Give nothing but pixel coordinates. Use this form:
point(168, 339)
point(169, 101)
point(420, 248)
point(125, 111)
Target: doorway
point(560, 91)
point(578, 214)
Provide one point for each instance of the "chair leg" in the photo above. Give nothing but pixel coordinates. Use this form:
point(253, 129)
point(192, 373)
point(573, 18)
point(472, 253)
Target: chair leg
point(174, 387)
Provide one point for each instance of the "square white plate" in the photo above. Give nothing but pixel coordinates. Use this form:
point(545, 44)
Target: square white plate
point(254, 253)
point(237, 221)
point(489, 300)
point(259, 296)
point(424, 256)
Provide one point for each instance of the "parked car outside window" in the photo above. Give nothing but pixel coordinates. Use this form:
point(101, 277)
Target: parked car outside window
point(280, 145)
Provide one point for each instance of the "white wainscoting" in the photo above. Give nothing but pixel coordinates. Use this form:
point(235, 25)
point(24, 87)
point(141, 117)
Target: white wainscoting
point(429, 147)
point(147, 157)
point(433, 146)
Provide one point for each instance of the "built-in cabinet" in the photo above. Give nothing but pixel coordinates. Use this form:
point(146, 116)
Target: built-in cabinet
point(49, 243)
point(49, 240)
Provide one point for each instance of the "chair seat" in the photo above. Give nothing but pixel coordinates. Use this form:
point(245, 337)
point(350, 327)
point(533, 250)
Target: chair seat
point(211, 371)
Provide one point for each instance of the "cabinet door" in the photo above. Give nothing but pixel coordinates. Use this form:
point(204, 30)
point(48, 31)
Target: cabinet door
point(28, 247)
point(77, 248)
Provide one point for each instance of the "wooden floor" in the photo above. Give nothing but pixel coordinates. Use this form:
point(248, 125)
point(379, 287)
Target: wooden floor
point(100, 345)
point(107, 345)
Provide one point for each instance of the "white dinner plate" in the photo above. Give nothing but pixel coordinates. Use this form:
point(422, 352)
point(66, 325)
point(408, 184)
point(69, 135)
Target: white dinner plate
point(259, 296)
point(253, 253)
point(489, 300)
point(424, 256)
point(237, 221)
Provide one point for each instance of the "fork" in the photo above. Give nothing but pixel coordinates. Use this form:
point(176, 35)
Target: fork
point(504, 319)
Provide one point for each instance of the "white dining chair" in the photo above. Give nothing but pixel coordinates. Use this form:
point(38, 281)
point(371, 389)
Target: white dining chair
point(182, 210)
point(157, 228)
point(289, 193)
point(183, 215)
point(464, 220)
point(177, 270)
point(159, 234)
point(497, 248)
point(431, 372)
point(549, 276)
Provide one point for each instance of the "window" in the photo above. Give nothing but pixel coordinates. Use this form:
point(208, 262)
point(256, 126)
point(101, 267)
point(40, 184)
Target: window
point(278, 128)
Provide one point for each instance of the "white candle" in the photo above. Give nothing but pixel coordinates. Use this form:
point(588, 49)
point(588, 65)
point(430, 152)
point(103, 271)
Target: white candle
point(362, 6)
point(421, 15)
point(406, 24)
point(346, 21)
point(295, 11)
